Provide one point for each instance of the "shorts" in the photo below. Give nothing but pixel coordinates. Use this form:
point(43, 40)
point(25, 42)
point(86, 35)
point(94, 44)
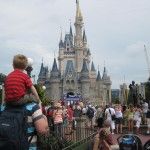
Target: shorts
point(119, 120)
point(130, 117)
point(138, 122)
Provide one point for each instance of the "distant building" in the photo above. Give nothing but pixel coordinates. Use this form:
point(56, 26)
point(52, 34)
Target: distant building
point(123, 94)
point(115, 95)
point(75, 73)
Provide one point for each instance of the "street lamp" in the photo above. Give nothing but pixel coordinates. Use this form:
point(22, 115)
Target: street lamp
point(44, 87)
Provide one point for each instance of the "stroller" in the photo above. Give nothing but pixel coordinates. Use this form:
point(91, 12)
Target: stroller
point(147, 145)
point(129, 142)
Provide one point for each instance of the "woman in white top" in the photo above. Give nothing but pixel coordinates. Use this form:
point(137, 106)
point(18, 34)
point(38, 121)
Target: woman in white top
point(108, 113)
point(137, 117)
point(119, 118)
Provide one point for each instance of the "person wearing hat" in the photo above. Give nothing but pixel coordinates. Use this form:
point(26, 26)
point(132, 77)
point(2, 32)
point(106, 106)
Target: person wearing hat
point(104, 138)
point(58, 119)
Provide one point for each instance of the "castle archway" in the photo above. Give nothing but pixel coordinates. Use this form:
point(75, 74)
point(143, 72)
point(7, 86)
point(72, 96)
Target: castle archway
point(70, 94)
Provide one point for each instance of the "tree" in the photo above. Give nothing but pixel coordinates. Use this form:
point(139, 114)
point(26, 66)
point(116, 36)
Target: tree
point(41, 92)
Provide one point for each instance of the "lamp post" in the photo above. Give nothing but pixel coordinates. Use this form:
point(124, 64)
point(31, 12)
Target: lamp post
point(44, 87)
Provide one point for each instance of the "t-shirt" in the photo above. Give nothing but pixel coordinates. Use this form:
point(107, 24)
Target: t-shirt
point(137, 115)
point(145, 107)
point(107, 113)
point(118, 113)
point(58, 116)
point(35, 114)
point(16, 85)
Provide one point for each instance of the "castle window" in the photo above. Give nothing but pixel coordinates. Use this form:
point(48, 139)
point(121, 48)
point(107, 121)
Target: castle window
point(67, 49)
point(72, 81)
point(67, 82)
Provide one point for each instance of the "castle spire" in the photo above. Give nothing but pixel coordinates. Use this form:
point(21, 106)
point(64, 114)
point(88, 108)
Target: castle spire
point(92, 67)
point(98, 76)
point(71, 29)
point(61, 41)
point(54, 68)
point(104, 73)
point(84, 37)
point(78, 11)
point(78, 26)
point(60, 34)
point(84, 67)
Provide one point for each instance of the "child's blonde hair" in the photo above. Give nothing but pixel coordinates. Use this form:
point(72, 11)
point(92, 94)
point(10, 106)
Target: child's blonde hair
point(20, 62)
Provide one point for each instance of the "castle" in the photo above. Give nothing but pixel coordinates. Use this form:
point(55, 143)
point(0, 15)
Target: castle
point(75, 73)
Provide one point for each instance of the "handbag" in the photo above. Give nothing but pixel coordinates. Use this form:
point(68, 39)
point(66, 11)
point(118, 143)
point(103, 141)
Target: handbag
point(113, 117)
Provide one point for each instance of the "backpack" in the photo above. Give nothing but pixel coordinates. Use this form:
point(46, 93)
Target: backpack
point(13, 129)
point(90, 112)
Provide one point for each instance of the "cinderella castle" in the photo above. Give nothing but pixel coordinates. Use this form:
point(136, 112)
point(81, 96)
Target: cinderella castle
point(73, 76)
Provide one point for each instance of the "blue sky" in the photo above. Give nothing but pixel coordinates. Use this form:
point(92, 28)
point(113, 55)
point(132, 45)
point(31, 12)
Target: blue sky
point(116, 32)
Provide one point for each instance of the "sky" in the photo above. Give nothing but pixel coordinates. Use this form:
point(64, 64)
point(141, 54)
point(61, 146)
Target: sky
point(116, 30)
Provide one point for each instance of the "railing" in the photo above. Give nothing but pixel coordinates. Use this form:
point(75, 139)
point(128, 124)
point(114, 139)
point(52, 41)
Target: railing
point(69, 139)
point(82, 143)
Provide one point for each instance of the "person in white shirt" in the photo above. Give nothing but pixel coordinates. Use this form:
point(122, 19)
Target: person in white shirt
point(145, 109)
point(108, 113)
point(119, 118)
point(137, 117)
point(148, 120)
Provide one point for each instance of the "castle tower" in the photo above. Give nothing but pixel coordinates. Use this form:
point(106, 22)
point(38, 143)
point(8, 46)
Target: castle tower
point(66, 51)
point(92, 78)
point(43, 75)
point(107, 82)
point(85, 81)
point(78, 38)
point(55, 82)
point(61, 53)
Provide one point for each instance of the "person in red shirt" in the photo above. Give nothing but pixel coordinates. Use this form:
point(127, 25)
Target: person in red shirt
point(70, 113)
point(18, 84)
point(70, 119)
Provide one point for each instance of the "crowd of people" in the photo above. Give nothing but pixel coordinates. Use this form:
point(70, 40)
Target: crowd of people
point(60, 115)
point(106, 120)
